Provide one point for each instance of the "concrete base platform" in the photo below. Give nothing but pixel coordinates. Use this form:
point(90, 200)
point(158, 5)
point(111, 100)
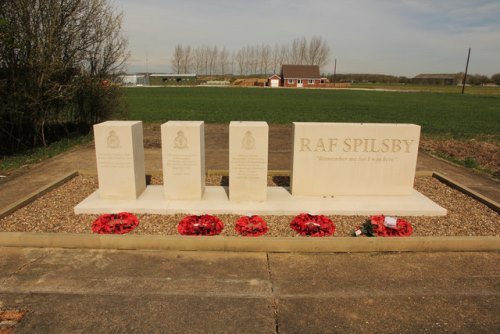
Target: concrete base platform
point(279, 202)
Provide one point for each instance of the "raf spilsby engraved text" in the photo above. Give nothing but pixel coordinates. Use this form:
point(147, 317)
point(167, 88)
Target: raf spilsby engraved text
point(356, 145)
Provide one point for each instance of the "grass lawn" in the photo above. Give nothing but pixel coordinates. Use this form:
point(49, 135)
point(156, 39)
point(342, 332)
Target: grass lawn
point(441, 114)
point(469, 90)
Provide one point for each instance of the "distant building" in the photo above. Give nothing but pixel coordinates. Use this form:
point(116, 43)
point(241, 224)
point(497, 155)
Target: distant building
point(139, 79)
point(167, 79)
point(159, 79)
point(301, 76)
point(437, 79)
point(274, 81)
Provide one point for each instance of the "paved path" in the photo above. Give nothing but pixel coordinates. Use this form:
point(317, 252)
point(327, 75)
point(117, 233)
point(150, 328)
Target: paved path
point(93, 291)
point(29, 179)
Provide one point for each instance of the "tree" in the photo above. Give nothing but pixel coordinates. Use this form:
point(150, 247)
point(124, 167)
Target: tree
point(265, 58)
point(177, 58)
point(186, 59)
point(57, 59)
point(223, 60)
point(496, 78)
point(318, 52)
point(199, 58)
point(212, 54)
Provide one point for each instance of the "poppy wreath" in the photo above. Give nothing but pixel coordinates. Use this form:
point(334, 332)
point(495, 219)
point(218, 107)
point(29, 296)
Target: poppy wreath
point(117, 223)
point(313, 225)
point(376, 226)
point(251, 226)
point(200, 225)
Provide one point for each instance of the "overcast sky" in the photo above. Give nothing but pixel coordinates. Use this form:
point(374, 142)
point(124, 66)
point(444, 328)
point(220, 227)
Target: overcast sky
point(399, 37)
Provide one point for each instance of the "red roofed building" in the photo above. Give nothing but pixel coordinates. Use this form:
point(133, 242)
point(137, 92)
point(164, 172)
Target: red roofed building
point(302, 76)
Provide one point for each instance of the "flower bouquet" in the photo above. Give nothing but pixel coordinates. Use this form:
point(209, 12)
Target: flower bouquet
point(384, 226)
point(313, 225)
point(200, 225)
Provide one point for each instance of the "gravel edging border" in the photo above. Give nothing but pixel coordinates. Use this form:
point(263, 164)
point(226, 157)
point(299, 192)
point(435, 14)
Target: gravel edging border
point(240, 244)
point(37, 193)
point(466, 190)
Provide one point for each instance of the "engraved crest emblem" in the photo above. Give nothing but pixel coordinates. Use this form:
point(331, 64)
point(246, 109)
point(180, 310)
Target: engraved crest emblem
point(180, 141)
point(248, 142)
point(113, 141)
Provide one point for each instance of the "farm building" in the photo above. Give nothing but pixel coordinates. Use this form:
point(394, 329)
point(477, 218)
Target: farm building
point(274, 80)
point(437, 79)
point(301, 76)
point(164, 79)
point(139, 79)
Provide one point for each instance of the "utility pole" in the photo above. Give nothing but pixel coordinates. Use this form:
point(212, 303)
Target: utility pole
point(465, 74)
point(334, 72)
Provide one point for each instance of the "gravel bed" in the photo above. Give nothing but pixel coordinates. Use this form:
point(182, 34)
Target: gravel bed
point(53, 212)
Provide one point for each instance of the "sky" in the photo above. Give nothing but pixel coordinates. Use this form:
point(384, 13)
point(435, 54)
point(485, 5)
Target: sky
point(397, 37)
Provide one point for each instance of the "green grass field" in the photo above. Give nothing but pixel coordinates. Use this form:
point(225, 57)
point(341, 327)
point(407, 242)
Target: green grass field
point(474, 90)
point(440, 114)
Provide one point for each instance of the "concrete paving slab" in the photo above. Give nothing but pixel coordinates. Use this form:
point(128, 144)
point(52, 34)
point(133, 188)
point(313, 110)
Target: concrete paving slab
point(173, 273)
point(334, 275)
point(109, 313)
point(390, 314)
point(130, 291)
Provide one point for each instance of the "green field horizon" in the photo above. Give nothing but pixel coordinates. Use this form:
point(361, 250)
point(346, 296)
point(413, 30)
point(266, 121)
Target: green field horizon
point(440, 114)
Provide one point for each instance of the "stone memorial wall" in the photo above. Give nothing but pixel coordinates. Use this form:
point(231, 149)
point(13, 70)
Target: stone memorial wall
point(338, 168)
point(120, 159)
point(183, 155)
point(248, 156)
point(332, 159)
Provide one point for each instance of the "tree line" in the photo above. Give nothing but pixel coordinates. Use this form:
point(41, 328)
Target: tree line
point(57, 60)
point(261, 59)
point(472, 79)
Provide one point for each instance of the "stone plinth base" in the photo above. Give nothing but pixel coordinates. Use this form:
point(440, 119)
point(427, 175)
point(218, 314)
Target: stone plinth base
point(279, 202)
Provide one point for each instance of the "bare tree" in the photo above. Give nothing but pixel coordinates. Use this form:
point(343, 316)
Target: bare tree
point(177, 58)
point(213, 54)
point(297, 53)
point(275, 58)
point(265, 59)
point(223, 60)
point(198, 59)
point(318, 52)
point(186, 59)
point(239, 57)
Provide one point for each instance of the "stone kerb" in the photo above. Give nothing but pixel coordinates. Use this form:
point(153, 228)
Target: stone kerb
point(120, 159)
point(183, 155)
point(331, 159)
point(248, 156)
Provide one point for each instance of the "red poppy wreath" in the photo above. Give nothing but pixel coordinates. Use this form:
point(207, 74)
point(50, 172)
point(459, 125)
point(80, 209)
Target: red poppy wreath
point(200, 225)
point(117, 223)
point(385, 226)
point(313, 225)
point(251, 226)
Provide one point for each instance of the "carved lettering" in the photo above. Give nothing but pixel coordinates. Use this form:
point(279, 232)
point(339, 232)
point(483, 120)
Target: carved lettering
point(357, 145)
point(333, 144)
point(304, 145)
point(408, 143)
point(385, 146)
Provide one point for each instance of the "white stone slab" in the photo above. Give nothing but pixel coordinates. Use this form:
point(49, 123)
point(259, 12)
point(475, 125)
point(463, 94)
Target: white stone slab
point(248, 155)
point(183, 154)
point(279, 202)
point(354, 159)
point(120, 159)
